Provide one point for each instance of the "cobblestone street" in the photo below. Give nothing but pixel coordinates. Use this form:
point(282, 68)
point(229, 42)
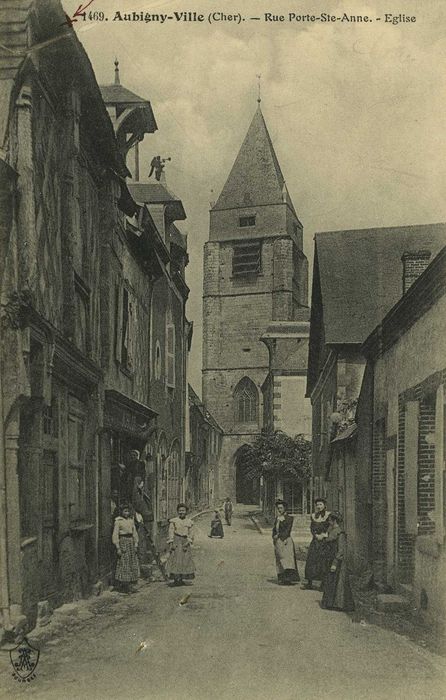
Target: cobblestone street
point(236, 635)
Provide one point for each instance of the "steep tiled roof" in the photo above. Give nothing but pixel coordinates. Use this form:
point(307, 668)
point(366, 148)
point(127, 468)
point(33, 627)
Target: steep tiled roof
point(256, 177)
point(360, 275)
point(156, 193)
point(175, 235)
point(423, 294)
point(14, 17)
point(194, 400)
point(57, 46)
point(153, 192)
point(118, 94)
point(288, 329)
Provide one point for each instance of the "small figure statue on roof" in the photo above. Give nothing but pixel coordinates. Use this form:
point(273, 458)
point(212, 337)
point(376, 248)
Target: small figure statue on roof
point(157, 166)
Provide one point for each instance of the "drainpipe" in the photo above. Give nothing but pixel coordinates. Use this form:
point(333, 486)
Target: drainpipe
point(4, 584)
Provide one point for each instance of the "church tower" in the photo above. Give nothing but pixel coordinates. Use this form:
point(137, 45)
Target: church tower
point(255, 273)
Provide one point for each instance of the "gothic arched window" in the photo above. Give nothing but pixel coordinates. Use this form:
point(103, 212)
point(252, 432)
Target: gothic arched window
point(246, 401)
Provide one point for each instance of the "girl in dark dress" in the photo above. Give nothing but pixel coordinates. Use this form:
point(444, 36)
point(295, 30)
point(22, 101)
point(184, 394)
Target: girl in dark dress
point(337, 591)
point(317, 563)
point(284, 549)
point(217, 526)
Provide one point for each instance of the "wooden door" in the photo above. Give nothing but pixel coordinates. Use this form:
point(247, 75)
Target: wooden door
point(50, 503)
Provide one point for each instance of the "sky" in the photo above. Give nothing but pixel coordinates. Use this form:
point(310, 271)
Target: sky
point(356, 111)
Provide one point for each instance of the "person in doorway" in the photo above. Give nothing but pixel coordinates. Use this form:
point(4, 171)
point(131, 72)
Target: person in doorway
point(337, 591)
point(180, 564)
point(317, 563)
point(217, 526)
point(143, 517)
point(284, 550)
point(141, 501)
point(135, 468)
point(125, 539)
point(114, 505)
point(228, 509)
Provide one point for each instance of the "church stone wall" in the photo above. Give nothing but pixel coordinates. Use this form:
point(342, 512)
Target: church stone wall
point(219, 385)
point(237, 309)
point(271, 220)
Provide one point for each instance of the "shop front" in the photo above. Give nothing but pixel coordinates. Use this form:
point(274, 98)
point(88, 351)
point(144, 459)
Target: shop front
point(126, 455)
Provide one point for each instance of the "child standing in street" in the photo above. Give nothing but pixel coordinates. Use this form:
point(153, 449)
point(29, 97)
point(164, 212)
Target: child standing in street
point(125, 539)
point(228, 508)
point(216, 526)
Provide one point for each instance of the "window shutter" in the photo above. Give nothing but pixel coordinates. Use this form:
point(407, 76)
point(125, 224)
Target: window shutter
point(131, 335)
point(170, 355)
point(119, 302)
point(411, 467)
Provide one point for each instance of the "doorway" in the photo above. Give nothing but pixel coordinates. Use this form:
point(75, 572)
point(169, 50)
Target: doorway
point(392, 514)
point(247, 490)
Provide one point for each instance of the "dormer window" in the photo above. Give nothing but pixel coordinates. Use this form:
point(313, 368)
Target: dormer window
point(246, 221)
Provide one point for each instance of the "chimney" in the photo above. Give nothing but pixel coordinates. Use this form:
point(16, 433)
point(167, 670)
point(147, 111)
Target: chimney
point(414, 264)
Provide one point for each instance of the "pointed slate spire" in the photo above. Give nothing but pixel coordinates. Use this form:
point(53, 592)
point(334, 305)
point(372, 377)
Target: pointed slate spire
point(256, 177)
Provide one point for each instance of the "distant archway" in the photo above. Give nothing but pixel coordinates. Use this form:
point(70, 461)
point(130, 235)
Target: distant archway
point(247, 490)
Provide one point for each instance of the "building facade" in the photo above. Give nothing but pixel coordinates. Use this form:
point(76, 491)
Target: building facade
point(254, 273)
point(348, 301)
point(407, 456)
point(61, 162)
point(150, 293)
point(285, 406)
point(203, 457)
point(93, 321)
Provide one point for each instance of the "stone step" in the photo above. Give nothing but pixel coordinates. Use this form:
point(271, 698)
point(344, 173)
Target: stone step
point(390, 602)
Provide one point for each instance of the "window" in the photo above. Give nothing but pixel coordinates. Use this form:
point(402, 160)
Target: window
point(247, 258)
point(245, 221)
point(82, 302)
point(173, 482)
point(76, 459)
point(246, 401)
point(125, 327)
point(157, 360)
point(50, 420)
point(170, 355)
point(293, 495)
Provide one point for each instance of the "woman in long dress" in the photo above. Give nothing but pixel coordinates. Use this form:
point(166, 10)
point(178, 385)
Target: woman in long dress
point(317, 563)
point(284, 549)
point(337, 592)
point(125, 539)
point(180, 564)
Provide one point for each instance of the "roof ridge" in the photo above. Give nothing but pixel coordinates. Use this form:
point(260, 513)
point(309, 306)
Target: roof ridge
point(369, 229)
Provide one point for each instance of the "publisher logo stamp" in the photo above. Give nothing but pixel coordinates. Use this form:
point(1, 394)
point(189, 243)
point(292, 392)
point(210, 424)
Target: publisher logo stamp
point(24, 659)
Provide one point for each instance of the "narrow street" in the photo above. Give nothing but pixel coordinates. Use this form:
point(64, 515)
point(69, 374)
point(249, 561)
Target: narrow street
point(239, 635)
